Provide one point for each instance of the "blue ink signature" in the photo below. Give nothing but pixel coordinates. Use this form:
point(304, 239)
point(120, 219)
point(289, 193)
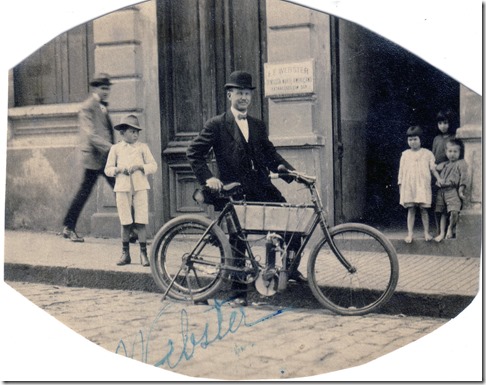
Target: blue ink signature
point(192, 339)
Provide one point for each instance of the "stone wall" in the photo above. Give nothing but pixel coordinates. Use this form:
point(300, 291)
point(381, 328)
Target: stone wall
point(470, 132)
point(43, 163)
point(300, 125)
point(126, 48)
point(42, 167)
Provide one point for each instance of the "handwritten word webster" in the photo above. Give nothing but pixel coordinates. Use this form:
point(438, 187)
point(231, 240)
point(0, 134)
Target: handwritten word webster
point(188, 339)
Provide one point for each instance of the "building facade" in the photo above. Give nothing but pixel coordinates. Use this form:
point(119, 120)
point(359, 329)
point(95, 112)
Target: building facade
point(336, 97)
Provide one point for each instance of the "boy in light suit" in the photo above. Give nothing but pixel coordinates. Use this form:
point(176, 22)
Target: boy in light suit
point(130, 161)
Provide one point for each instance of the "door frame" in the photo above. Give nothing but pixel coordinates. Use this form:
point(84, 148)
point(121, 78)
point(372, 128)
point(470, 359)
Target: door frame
point(226, 52)
point(337, 144)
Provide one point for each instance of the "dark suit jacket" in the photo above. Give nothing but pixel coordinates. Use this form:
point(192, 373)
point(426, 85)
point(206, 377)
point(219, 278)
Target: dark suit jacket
point(96, 134)
point(238, 161)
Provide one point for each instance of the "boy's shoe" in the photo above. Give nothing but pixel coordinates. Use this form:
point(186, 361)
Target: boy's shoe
point(143, 258)
point(71, 235)
point(124, 259)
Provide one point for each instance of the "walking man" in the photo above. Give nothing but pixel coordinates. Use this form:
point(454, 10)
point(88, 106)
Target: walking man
point(96, 139)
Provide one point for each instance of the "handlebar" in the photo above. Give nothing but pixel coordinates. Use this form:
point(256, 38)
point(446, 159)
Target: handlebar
point(229, 191)
point(297, 176)
point(206, 195)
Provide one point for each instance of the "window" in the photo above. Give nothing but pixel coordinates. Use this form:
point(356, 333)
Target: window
point(58, 72)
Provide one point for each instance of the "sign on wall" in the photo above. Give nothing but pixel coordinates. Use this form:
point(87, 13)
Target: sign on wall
point(284, 79)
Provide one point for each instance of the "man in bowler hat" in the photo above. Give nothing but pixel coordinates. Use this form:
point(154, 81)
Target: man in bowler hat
point(96, 139)
point(243, 154)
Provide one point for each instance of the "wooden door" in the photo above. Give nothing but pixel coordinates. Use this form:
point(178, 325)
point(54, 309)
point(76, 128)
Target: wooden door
point(200, 43)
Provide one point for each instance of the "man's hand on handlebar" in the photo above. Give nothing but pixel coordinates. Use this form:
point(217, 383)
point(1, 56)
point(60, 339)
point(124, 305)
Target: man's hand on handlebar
point(298, 177)
point(214, 184)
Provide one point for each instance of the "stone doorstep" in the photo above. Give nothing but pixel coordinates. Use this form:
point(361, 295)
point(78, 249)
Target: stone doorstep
point(465, 247)
point(467, 243)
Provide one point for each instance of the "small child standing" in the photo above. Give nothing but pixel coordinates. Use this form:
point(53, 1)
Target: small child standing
point(439, 144)
point(454, 175)
point(415, 181)
point(130, 162)
point(444, 121)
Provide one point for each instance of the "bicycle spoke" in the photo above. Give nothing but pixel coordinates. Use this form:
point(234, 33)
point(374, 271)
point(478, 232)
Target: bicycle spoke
point(368, 286)
point(197, 248)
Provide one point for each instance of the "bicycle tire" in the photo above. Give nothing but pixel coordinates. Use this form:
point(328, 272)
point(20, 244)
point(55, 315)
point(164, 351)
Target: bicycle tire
point(202, 277)
point(360, 292)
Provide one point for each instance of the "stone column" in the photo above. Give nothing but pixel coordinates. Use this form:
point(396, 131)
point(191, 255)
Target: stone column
point(300, 121)
point(126, 48)
point(470, 132)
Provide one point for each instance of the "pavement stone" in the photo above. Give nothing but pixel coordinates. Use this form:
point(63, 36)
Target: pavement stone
point(265, 342)
point(428, 285)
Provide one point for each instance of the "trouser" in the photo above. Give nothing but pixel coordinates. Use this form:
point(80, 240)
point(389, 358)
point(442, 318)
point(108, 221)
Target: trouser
point(238, 246)
point(89, 180)
point(255, 192)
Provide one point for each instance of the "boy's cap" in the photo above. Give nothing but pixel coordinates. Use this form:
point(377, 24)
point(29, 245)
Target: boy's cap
point(128, 121)
point(414, 131)
point(101, 79)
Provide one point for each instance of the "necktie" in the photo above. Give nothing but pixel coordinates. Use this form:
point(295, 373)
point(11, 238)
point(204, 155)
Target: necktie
point(241, 116)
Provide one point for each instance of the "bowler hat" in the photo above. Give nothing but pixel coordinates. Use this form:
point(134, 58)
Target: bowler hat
point(239, 79)
point(128, 121)
point(101, 79)
point(414, 131)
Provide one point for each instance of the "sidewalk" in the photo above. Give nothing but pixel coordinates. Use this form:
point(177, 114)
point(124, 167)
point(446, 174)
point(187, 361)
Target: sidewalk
point(430, 285)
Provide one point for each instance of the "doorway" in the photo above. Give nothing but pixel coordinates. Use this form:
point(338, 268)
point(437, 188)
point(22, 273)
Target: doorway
point(384, 89)
point(200, 44)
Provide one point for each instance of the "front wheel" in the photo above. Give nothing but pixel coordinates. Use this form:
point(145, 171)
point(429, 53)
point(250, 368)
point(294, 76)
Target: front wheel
point(373, 276)
point(188, 257)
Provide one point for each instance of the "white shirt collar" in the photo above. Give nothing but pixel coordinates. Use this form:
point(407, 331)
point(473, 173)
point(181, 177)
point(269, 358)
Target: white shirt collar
point(126, 144)
point(236, 113)
point(241, 123)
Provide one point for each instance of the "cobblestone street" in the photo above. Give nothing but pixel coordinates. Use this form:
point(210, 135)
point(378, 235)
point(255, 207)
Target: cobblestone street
point(224, 343)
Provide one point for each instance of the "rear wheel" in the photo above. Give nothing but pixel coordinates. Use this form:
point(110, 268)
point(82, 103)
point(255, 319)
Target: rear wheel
point(372, 280)
point(184, 249)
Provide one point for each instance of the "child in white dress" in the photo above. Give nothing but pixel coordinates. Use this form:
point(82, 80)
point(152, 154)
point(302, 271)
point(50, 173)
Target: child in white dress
point(415, 181)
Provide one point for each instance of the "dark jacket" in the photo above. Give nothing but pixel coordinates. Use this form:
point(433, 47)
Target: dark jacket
point(95, 133)
point(238, 161)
